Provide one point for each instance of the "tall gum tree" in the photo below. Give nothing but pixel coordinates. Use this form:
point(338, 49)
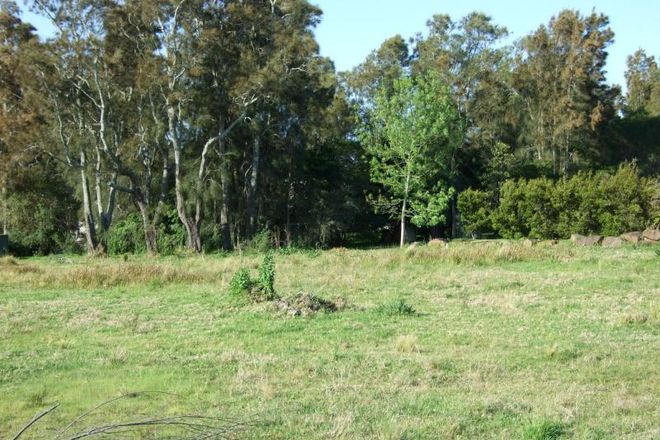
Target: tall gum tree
point(106, 100)
point(19, 115)
point(73, 80)
point(559, 77)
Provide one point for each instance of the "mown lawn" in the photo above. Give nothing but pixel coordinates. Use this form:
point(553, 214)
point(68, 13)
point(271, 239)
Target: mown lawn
point(507, 342)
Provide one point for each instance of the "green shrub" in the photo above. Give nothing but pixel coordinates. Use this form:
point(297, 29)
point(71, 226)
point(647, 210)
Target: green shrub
point(261, 242)
point(574, 200)
point(126, 236)
point(586, 203)
point(540, 214)
point(620, 202)
point(171, 233)
point(241, 283)
point(41, 215)
point(262, 289)
point(651, 196)
point(509, 218)
point(475, 207)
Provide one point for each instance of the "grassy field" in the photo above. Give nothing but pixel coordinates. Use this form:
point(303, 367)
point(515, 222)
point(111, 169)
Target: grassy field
point(505, 342)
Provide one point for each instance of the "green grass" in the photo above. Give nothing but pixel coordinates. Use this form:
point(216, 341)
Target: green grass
point(480, 340)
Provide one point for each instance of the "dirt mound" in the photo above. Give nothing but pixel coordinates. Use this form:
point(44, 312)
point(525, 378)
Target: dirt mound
point(306, 304)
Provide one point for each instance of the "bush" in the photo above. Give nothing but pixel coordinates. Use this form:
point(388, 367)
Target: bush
point(587, 203)
point(651, 194)
point(573, 199)
point(509, 219)
point(171, 233)
point(475, 207)
point(261, 242)
point(41, 216)
point(621, 206)
point(241, 283)
point(126, 236)
point(540, 214)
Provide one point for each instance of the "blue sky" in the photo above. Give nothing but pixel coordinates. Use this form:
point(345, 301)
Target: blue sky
point(351, 29)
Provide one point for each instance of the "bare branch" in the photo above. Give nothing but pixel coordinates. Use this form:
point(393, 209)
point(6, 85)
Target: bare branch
point(35, 420)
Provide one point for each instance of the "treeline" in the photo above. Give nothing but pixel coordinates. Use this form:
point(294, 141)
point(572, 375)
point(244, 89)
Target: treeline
point(151, 125)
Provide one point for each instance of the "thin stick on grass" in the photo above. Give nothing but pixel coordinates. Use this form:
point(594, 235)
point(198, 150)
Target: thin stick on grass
point(107, 402)
point(199, 424)
point(35, 420)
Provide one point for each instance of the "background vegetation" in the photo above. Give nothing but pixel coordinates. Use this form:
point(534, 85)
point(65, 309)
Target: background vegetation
point(151, 125)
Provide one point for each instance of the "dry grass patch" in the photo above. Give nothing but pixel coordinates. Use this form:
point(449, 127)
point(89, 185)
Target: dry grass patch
point(483, 253)
point(407, 344)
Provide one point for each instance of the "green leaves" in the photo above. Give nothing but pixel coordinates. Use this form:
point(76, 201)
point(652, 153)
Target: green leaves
point(412, 134)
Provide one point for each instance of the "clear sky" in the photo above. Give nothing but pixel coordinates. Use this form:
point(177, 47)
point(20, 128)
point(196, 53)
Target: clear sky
point(351, 29)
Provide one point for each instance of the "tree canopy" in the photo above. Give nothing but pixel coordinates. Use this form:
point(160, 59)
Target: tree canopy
point(215, 124)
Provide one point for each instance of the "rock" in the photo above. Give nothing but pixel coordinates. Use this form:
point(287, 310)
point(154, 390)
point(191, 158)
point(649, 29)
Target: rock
point(528, 242)
point(632, 237)
point(575, 238)
point(581, 240)
point(612, 242)
point(652, 235)
point(438, 242)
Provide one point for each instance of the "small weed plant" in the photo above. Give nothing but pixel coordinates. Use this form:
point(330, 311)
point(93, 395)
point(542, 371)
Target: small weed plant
point(241, 283)
point(397, 308)
point(267, 277)
point(259, 290)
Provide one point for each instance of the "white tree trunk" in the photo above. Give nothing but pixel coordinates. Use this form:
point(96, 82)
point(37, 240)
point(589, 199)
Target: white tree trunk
point(90, 225)
point(403, 209)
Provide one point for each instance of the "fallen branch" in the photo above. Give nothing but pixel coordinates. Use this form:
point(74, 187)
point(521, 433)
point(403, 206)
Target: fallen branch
point(35, 420)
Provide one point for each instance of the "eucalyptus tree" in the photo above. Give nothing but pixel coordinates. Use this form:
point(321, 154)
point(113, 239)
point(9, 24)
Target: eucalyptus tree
point(18, 104)
point(559, 77)
point(643, 84)
point(207, 95)
point(102, 84)
point(285, 65)
point(277, 61)
point(68, 77)
point(379, 71)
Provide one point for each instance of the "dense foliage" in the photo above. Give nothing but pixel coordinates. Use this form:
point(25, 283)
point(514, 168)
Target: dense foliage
point(145, 126)
point(585, 203)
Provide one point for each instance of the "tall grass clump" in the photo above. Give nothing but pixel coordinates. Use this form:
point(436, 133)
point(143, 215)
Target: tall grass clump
point(544, 430)
point(396, 308)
